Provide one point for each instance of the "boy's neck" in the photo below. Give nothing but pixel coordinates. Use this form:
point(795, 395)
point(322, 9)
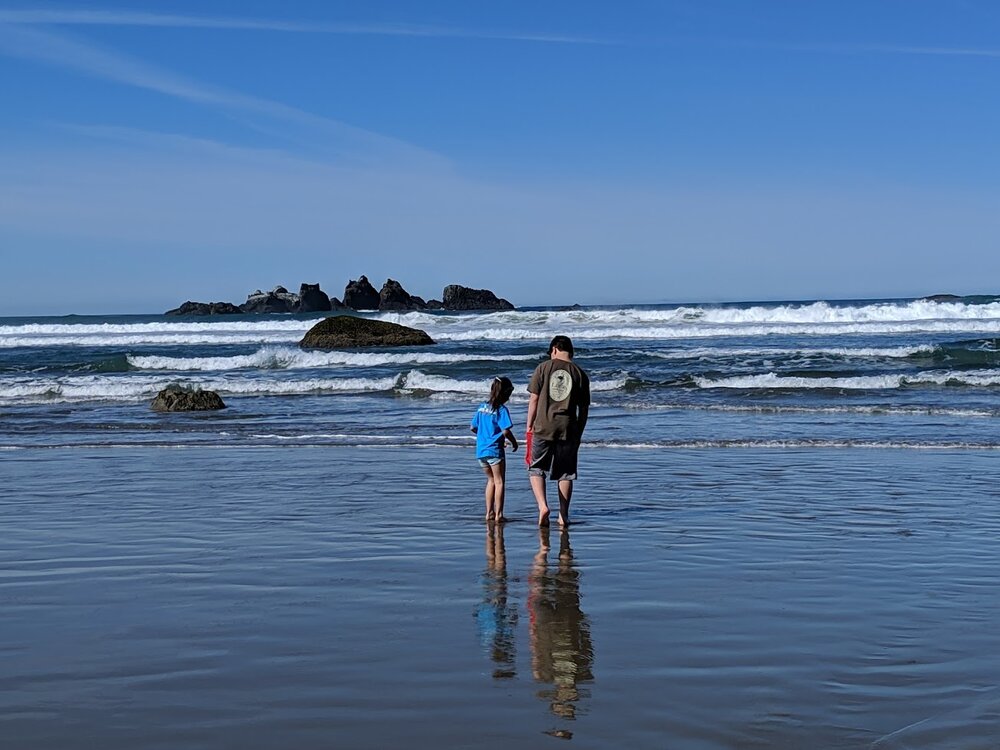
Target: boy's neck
point(560, 354)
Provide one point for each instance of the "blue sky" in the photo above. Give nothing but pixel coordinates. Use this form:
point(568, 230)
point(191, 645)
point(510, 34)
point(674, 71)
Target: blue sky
point(557, 152)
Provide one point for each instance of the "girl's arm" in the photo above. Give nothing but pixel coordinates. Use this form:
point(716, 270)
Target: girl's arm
point(511, 439)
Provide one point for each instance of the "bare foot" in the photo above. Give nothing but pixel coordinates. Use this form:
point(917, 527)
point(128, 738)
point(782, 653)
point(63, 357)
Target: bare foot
point(489, 517)
point(543, 518)
point(563, 522)
point(501, 519)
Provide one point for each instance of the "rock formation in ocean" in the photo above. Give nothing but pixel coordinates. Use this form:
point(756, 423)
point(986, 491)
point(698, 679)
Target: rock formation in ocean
point(358, 295)
point(394, 297)
point(348, 331)
point(456, 297)
point(278, 300)
point(176, 398)
point(205, 308)
point(313, 299)
point(361, 295)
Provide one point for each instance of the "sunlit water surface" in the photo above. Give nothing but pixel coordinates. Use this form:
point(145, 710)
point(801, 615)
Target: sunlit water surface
point(351, 597)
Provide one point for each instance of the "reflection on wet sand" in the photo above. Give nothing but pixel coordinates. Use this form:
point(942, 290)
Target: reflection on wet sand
point(562, 654)
point(495, 617)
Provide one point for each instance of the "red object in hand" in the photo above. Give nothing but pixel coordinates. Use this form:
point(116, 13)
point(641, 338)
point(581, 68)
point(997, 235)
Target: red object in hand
point(527, 448)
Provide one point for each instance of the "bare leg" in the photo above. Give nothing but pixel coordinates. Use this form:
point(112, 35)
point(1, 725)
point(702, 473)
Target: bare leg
point(489, 493)
point(499, 480)
point(565, 495)
point(538, 487)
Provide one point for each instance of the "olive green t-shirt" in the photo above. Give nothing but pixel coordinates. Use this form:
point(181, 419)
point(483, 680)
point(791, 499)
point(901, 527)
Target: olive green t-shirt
point(562, 389)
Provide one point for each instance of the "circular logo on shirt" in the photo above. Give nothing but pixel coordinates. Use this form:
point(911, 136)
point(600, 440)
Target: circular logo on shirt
point(560, 385)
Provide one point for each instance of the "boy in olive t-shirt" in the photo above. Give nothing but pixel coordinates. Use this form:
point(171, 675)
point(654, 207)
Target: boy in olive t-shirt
point(557, 416)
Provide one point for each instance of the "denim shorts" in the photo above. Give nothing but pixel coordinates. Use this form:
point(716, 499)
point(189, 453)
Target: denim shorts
point(492, 460)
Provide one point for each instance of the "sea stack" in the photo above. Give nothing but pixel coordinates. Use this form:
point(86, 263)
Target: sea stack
point(457, 297)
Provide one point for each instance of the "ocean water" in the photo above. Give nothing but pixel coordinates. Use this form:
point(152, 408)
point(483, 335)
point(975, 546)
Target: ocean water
point(785, 535)
point(905, 373)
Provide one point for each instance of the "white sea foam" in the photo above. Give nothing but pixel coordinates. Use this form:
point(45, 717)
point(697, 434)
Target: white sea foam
point(628, 323)
point(646, 332)
point(799, 444)
point(126, 340)
point(862, 382)
point(294, 358)
point(122, 387)
point(889, 352)
point(419, 381)
point(77, 389)
point(874, 409)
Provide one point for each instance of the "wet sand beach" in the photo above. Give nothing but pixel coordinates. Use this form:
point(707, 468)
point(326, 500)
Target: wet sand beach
point(352, 597)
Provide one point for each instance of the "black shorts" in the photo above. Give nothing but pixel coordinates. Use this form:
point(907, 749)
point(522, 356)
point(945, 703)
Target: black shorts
point(555, 457)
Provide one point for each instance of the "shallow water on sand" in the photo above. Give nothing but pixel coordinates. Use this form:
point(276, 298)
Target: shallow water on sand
point(352, 597)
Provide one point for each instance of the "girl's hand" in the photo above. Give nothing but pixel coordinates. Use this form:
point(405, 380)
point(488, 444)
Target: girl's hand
point(513, 445)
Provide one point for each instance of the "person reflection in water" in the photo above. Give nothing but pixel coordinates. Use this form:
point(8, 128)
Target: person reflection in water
point(561, 651)
point(495, 617)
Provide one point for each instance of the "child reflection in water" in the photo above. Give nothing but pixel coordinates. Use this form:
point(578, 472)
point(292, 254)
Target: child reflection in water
point(561, 650)
point(495, 617)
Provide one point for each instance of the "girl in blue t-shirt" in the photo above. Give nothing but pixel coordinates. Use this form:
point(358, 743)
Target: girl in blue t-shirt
point(492, 425)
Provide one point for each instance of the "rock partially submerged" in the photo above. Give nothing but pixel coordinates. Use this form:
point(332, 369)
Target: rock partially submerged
point(278, 300)
point(358, 295)
point(361, 295)
point(312, 299)
point(205, 308)
point(348, 331)
point(176, 398)
point(457, 297)
point(394, 297)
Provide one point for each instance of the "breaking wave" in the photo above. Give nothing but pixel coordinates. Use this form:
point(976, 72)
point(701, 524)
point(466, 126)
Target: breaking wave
point(772, 380)
point(77, 389)
point(278, 358)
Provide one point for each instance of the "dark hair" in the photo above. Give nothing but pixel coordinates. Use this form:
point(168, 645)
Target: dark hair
point(499, 392)
point(563, 344)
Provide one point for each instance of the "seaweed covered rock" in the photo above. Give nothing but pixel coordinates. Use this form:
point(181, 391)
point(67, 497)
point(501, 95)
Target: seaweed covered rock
point(176, 398)
point(348, 331)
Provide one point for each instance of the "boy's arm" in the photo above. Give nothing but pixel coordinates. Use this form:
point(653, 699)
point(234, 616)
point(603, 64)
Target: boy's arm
point(532, 410)
point(581, 421)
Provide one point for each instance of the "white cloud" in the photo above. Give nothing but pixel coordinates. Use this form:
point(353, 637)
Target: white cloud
point(57, 17)
point(340, 139)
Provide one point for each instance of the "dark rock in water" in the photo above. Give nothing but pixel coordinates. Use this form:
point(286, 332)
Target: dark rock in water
point(941, 298)
point(435, 304)
point(336, 304)
point(456, 297)
point(348, 331)
point(175, 398)
point(205, 308)
point(313, 299)
point(276, 301)
point(361, 295)
point(394, 297)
